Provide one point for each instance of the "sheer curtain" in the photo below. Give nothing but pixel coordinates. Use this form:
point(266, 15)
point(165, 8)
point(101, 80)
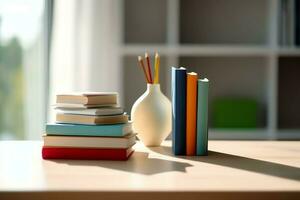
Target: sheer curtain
point(85, 47)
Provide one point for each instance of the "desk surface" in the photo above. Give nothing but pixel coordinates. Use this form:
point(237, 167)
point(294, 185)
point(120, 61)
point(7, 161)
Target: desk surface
point(232, 167)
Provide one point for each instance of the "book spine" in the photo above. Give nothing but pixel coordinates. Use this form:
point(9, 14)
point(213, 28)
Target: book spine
point(283, 22)
point(297, 22)
point(291, 22)
point(84, 153)
point(191, 113)
point(202, 117)
point(86, 130)
point(179, 111)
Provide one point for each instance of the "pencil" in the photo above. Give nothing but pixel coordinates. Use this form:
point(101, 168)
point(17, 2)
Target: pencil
point(140, 59)
point(157, 60)
point(149, 67)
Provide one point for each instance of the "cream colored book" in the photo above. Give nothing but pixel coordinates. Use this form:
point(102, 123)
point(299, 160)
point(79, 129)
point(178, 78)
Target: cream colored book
point(81, 106)
point(89, 98)
point(91, 111)
point(90, 119)
point(90, 142)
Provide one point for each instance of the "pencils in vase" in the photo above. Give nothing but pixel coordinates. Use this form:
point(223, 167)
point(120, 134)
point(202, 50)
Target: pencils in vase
point(147, 70)
point(140, 59)
point(149, 67)
point(156, 65)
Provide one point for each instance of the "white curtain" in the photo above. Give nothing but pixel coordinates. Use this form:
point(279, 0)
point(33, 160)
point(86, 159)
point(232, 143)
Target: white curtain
point(85, 47)
point(34, 88)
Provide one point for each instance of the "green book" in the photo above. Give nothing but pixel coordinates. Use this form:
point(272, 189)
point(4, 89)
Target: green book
point(235, 113)
point(202, 117)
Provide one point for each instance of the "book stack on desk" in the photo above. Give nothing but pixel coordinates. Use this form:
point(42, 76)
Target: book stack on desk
point(89, 126)
point(190, 112)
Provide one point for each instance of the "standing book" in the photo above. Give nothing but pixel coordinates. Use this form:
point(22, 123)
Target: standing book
point(179, 110)
point(202, 117)
point(191, 113)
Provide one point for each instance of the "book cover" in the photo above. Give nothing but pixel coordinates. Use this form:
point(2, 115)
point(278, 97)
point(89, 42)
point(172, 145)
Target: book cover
point(179, 111)
point(92, 111)
point(115, 130)
point(86, 153)
point(90, 142)
point(191, 113)
point(90, 119)
point(202, 117)
point(96, 98)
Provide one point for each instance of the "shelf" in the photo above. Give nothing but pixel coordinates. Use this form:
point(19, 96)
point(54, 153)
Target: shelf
point(233, 77)
point(289, 51)
point(231, 42)
point(255, 134)
point(145, 21)
point(287, 134)
point(195, 50)
point(224, 22)
point(238, 134)
point(288, 93)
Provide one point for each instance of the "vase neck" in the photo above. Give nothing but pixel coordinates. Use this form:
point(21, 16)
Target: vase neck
point(153, 87)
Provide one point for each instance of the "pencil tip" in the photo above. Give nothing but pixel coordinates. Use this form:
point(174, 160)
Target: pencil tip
point(146, 54)
point(139, 58)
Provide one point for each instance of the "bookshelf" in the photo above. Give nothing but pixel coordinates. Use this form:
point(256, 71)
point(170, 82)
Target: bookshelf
point(234, 43)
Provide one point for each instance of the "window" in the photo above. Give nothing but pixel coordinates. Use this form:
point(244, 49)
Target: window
point(22, 69)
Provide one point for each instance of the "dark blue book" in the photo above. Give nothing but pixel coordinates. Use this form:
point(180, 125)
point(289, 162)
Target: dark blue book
point(179, 111)
point(114, 130)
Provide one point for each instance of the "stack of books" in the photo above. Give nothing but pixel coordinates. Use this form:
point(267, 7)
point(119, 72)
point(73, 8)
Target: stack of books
point(190, 112)
point(89, 126)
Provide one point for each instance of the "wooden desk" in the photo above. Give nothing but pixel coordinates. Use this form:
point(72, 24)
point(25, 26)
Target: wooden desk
point(233, 170)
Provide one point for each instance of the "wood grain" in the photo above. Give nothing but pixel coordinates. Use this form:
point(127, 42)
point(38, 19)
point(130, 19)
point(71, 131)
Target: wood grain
point(233, 170)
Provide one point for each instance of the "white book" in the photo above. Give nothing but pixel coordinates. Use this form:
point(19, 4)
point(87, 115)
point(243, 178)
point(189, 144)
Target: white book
point(90, 142)
point(92, 111)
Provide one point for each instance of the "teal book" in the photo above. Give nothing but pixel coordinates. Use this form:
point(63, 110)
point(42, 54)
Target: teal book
point(202, 117)
point(115, 130)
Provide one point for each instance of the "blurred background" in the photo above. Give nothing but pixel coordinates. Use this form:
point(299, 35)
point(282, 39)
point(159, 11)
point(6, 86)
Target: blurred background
point(249, 50)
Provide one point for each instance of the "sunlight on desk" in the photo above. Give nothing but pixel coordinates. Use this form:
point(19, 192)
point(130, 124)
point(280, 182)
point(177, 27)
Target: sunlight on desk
point(233, 166)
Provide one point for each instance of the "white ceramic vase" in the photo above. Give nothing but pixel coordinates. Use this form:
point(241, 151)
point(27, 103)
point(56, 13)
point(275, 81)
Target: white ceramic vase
point(151, 116)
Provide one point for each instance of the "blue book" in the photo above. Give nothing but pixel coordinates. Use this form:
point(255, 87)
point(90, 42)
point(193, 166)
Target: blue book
point(202, 117)
point(179, 110)
point(115, 130)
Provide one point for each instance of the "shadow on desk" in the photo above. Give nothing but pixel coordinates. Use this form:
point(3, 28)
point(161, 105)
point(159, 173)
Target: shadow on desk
point(239, 162)
point(138, 163)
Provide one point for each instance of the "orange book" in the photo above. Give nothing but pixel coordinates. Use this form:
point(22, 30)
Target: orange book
point(191, 113)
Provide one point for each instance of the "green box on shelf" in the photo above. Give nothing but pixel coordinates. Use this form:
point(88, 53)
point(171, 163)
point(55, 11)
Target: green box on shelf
point(235, 113)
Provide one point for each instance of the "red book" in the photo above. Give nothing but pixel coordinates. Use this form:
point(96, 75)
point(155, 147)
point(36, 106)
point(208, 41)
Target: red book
point(86, 153)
